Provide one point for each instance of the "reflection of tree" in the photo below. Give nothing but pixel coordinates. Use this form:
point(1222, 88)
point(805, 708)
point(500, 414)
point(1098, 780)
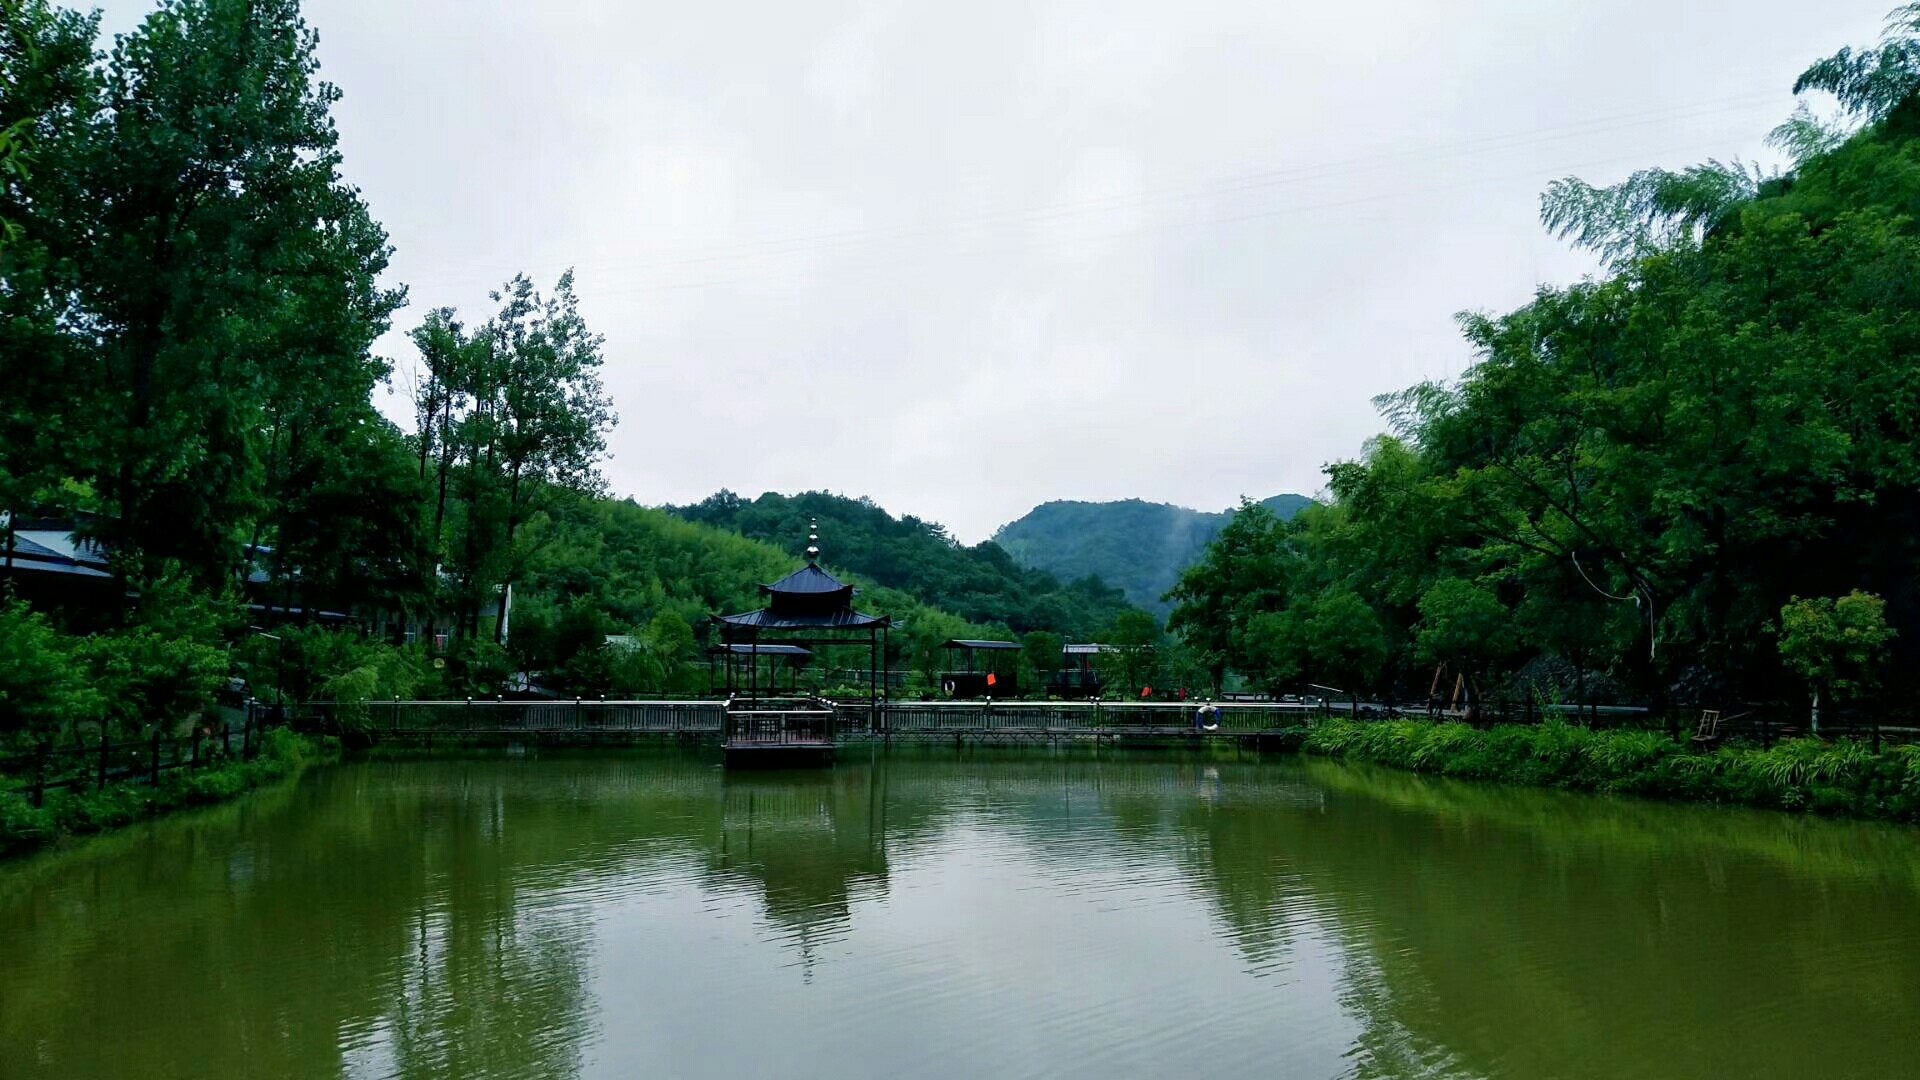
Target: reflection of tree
point(490, 986)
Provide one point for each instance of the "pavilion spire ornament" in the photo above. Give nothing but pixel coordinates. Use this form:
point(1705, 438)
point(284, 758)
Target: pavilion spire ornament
point(813, 542)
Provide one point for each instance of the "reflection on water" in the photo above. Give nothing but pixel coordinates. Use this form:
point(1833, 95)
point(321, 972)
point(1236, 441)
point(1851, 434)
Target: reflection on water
point(937, 915)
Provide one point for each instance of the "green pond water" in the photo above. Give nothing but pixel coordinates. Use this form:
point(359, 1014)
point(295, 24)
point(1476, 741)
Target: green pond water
point(635, 915)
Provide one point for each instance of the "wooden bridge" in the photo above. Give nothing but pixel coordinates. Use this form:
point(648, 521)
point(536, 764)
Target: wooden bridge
point(797, 730)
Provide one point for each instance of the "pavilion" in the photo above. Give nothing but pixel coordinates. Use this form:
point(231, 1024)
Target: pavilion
point(807, 608)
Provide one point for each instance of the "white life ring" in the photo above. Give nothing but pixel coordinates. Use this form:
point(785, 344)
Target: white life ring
point(947, 686)
point(1207, 717)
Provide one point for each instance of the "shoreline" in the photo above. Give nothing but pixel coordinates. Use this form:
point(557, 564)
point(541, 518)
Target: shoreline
point(1844, 778)
point(25, 828)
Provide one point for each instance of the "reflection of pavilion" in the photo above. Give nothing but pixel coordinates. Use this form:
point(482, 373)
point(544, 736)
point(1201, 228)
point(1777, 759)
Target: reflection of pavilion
point(811, 841)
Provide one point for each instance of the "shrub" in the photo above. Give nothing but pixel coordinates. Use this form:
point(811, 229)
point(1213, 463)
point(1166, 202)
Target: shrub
point(1844, 777)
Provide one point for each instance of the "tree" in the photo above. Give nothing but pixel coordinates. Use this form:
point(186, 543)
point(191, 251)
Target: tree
point(513, 417)
point(1837, 646)
point(1040, 654)
point(49, 96)
point(1274, 648)
point(672, 644)
point(1465, 625)
point(1345, 641)
point(1872, 83)
point(1133, 638)
point(226, 275)
point(1243, 571)
point(42, 685)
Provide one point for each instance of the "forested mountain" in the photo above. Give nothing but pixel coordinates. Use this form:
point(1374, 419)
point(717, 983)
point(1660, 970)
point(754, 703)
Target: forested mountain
point(981, 583)
point(1695, 473)
point(1141, 547)
point(605, 566)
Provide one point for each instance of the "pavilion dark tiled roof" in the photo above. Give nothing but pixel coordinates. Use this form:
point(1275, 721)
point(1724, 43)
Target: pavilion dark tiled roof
point(807, 599)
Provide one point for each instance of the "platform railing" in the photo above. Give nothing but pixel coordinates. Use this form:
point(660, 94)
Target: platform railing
point(779, 727)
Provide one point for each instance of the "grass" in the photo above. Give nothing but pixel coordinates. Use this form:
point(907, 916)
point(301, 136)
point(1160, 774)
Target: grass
point(1844, 777)
point(24, 826)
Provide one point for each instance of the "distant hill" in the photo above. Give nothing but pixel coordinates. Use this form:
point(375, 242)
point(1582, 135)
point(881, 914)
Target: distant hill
point(1139, 546)
point(982, 583)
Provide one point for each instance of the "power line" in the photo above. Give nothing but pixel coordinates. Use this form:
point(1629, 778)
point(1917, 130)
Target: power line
point(922, 256)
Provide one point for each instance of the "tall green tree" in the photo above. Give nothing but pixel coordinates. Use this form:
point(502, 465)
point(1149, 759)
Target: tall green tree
point(1838, 646)
point(228, 289)
point(1244, 572)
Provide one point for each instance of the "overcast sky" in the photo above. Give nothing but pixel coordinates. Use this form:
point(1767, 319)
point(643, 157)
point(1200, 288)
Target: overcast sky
point(969, 257)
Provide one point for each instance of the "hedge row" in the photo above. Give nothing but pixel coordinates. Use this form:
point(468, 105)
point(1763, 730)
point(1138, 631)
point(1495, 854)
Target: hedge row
point(1844, 777)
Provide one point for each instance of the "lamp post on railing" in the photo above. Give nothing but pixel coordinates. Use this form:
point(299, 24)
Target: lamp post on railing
point(1353, 701)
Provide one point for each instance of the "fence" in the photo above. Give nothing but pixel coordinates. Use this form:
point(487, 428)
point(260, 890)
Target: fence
point(1086, 717)
point(482, 717)
point(47, 767)
point(426, 719)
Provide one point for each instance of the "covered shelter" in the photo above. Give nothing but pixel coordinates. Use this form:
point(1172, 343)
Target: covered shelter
point(808, 608)
point(724, 658)
point(1078, 676)
point(992, 668)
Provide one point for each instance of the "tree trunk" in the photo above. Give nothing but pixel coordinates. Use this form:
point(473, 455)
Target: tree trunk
point(513, 527)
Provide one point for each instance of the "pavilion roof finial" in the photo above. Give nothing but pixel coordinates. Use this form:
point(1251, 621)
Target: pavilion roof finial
point(813, 542)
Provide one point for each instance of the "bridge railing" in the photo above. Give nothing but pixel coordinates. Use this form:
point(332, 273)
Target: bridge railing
point(479, 717)
point(1093, 717)
point(593, 717)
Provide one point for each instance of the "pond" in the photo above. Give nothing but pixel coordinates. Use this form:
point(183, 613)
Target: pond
point(950, 915)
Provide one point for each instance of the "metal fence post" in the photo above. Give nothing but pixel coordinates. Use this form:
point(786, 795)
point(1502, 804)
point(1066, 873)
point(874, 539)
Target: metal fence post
point(40, 773)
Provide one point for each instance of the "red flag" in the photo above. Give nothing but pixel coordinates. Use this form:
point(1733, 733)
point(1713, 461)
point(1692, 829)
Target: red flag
point(1146, 691)
point(992, 678)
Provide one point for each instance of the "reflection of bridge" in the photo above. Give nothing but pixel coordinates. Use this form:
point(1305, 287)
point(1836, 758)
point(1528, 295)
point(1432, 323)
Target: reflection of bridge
point(819, 725)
